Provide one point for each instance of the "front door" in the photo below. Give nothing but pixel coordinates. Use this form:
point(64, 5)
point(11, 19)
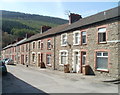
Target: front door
point(83, 59)
point(76, 65)
point(39, 60)
point(22, 59)
point(41, 57)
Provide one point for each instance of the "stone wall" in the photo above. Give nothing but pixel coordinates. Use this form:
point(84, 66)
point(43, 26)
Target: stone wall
point(92, 46)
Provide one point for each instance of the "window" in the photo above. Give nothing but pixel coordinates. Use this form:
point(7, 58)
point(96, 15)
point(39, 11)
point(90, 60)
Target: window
point(76, 38)
point(39, 44)
point(26, 47)
point(101, 35)
point(64, 39)
point(26, 58)
point(83, 58)
point(22, 48)
point(33, 57)
point(48, 44)
point(48, 59)
point(33, 45)
point(63, 57)
point(15, 49)
point(83, 39)
point(102, 60)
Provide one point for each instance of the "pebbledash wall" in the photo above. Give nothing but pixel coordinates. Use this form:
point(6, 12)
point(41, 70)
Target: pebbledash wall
point(88, 41)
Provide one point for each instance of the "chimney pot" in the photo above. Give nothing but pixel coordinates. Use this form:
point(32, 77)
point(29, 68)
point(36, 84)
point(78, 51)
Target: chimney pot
point(74, 17)
point(45, 28)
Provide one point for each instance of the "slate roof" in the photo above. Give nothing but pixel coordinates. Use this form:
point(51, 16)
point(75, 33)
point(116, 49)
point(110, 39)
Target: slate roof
point(102, 16)
point(15, 44)
point(47, 33)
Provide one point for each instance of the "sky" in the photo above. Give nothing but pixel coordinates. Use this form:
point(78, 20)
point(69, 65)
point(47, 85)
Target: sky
point(57, 9)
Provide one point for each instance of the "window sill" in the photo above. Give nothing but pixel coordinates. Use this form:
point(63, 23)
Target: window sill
point(49, 65)
point(102, 42)
point(64, 45)
point(103, 70)
point(48, 48)
point(83, 44)
point(61, 64)
point(76, 44)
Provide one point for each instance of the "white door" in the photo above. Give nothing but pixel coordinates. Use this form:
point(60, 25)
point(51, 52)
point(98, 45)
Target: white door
point(76, 65)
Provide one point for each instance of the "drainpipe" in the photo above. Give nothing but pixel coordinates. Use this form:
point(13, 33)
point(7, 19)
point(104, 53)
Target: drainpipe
point(54, 51)
point(17, 54)
point(29, 54)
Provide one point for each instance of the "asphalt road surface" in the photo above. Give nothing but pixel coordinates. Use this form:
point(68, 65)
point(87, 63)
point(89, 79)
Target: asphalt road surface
point(21, 79)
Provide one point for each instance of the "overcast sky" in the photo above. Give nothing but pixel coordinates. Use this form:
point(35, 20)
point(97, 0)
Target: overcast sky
point(56, 9)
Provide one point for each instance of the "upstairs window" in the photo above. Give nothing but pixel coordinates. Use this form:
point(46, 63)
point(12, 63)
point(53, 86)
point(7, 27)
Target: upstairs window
point(22, 48)
point(49, 44)
point(76, 38)
point(41, 45)
point(33, 45)
point(101, 35)
point(83, 37)
point(26, 47)
point(64, 39)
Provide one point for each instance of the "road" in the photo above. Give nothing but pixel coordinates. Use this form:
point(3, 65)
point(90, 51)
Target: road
point(21, 79)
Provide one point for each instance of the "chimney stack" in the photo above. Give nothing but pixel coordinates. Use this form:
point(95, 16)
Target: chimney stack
point(74, 17)
point(45, 28)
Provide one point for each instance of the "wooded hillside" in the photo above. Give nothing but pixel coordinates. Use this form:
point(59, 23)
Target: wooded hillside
point(16, 25)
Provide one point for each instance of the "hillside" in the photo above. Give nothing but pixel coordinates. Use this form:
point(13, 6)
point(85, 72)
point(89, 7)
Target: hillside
point(16, 25)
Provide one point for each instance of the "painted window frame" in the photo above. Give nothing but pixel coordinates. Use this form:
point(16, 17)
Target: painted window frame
point(82, 37)
point(26, 47)
point(33, 45)
point(95, 60)
point(50, 59)
point(60, 63)
point(106, 32)
point(74, 37)
point(42, 45)
point(39, 44)
point(62, 39)
point(34, 57)
point(49, 48)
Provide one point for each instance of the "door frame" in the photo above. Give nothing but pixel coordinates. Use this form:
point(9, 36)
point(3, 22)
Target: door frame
point(81, 59)
point(38, 58)
point(74, 64)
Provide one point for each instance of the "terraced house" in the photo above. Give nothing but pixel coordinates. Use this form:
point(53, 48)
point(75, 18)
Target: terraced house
point(92, 41)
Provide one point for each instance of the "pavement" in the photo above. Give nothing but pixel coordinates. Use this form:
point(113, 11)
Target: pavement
point(21, 79)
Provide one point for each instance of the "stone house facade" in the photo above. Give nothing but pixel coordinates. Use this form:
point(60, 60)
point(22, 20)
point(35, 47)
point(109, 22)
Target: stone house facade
point(86, 52)
point(92, 41)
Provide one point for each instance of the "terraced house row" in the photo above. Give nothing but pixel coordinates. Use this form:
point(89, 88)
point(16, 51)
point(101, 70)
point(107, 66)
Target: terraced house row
point(92, 41)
